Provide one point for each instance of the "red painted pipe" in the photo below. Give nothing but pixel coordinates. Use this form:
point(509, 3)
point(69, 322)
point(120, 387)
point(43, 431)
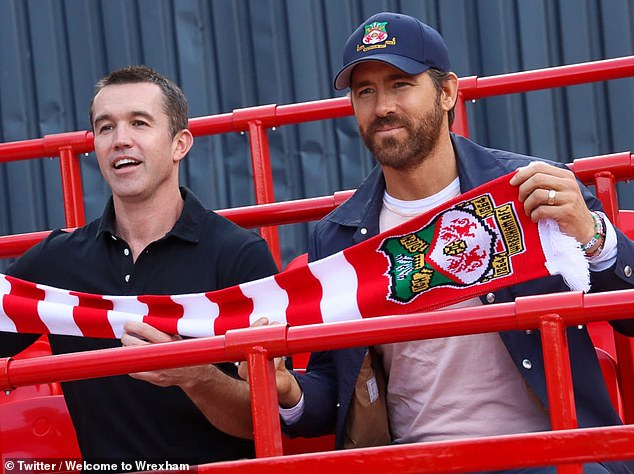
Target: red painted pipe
point(280, 340)
point(459, 456)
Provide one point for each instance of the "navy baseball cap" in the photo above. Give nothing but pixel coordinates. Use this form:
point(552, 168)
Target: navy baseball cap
point(400, 40)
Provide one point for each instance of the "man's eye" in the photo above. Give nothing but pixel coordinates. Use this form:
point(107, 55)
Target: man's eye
point(105, 128)
point(364, 92)
point(139, 123)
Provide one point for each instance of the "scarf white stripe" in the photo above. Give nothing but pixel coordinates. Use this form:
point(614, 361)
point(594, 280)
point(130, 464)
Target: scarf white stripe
point(127, 304)
point(269, 300)
point(339, 283)
point(199, 315)
point(6, 323)
point(56, 311)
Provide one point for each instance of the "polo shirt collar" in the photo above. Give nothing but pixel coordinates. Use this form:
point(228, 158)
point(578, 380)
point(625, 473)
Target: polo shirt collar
point(188, 227)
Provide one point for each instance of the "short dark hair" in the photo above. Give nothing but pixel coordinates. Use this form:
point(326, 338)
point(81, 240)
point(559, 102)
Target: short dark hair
point(174, 103)
point(439, 78)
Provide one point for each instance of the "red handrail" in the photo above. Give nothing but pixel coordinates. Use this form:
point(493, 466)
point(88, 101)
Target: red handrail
point(551, 314)
point(616, 166)
point(494, 453)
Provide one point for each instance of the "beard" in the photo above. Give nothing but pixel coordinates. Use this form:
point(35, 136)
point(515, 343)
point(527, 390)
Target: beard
point(405, 154)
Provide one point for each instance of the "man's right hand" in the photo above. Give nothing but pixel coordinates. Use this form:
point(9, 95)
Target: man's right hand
point(288, 390)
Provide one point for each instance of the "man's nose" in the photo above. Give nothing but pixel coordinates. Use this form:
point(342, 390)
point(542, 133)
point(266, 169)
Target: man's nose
point(122, 137)
point(385, 104)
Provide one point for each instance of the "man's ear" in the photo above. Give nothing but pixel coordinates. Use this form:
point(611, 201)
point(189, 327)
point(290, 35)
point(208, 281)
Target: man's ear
point(449, 94)
point(182, 143)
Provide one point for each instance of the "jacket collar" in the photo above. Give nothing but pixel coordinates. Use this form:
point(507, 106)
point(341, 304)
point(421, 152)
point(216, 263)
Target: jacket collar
point(361, 210)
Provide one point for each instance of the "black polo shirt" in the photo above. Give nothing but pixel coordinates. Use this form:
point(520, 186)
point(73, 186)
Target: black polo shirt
point(120, 418)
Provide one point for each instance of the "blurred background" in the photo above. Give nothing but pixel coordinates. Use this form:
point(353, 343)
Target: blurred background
point(231, 54)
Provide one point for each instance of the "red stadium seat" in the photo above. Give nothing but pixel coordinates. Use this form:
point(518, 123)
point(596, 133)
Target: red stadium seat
point(38, 428)
point(39, 348)
point(611, 376)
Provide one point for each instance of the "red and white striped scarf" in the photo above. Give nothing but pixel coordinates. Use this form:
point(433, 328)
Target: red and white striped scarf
point(476, 243)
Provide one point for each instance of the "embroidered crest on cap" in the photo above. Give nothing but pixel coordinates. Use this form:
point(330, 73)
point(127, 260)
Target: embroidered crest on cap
point(375, 33)
point(375, 37)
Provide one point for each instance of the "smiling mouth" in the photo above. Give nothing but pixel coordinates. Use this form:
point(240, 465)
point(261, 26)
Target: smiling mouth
point(125, 162)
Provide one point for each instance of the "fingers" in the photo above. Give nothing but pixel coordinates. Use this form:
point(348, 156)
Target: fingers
point(243, 370)
point(243, 367)
point(540, 171)
point(549, 192)
point(259, 322)
point(536, 180)
point(138, 333)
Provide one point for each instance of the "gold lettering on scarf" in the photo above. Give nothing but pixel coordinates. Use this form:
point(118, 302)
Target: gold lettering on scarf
point(501, 265)
point(482, 205)
point(413, 243)
point(421, 280)
point(510, 229)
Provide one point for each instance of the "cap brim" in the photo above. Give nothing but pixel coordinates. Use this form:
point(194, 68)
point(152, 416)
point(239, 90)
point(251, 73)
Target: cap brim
point(407, 65)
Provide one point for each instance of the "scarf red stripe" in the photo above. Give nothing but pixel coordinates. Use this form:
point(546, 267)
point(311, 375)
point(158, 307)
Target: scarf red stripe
point(91, 314)
point(304, 300)
point(235, 309)
point(21, 306)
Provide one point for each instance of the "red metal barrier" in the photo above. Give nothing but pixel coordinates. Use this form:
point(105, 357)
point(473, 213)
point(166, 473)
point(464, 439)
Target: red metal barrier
point(549, 313)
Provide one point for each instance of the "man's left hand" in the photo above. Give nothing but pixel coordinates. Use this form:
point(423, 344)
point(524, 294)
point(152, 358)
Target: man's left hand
point(551, 192)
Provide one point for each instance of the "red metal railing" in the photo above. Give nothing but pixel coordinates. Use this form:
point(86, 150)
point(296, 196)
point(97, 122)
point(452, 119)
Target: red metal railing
point(549, 313)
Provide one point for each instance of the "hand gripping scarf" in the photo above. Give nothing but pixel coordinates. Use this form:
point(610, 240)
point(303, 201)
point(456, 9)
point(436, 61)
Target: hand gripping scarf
point(476, 243)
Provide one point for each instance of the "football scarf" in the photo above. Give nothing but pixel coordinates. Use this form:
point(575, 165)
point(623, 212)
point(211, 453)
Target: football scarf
point(476, 243)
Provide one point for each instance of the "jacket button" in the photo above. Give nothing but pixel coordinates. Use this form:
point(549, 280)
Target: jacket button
point(628, 271)
point(363, 231)
point(490, 297)
point(527, 364)
point(338, 405)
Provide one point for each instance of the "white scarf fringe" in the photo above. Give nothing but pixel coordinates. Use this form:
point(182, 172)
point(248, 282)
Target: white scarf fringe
point(564, 256)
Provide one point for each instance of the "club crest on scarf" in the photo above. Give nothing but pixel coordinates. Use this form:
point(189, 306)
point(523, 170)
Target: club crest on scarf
point(470, 243)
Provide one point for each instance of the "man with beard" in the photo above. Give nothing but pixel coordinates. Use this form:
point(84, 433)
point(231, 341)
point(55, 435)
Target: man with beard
point(403, 94)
